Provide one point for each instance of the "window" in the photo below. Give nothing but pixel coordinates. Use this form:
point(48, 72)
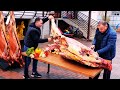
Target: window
point(116, 13)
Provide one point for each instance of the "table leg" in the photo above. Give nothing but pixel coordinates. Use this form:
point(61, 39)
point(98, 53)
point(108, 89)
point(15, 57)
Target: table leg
point(96, 77)
point(90, 78)
point(48, 69)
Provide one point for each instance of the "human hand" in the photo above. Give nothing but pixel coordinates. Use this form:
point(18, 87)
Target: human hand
point(50, 17)
point(50, 39)
point(92, 47)
point(96, 55)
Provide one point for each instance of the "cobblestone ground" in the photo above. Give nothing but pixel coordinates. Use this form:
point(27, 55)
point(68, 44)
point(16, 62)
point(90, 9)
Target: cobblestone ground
point(60, 73)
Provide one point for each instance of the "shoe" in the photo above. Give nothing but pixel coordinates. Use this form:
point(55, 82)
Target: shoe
point(26, 77)
point(36, 75)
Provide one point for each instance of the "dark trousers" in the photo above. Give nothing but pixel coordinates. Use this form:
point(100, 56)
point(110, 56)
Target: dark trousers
point(106, 74)
point(22, 45)
point(27, 63)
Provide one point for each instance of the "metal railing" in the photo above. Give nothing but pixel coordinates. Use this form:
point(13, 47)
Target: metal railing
point(81, 21)
point(68, 14)
point(93, 24)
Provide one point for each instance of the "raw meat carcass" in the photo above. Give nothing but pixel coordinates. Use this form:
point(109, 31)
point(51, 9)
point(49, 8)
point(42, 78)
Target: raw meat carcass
point(54, 48)
point(13, 41)
point(74, 50)
point(4, 48)
point(54, 30)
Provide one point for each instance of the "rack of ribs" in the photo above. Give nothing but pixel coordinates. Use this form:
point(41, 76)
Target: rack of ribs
point(4, 47)
point(13, 41)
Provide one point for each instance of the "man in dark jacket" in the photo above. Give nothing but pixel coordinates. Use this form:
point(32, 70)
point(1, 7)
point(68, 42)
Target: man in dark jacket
point(32, 38)
point(104, 44)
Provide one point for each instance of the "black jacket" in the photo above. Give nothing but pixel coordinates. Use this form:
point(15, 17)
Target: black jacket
point(32, 37)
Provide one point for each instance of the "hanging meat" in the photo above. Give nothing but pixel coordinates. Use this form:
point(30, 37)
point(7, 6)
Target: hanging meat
point(74, 50)
point(4, 48)
point(13, 41)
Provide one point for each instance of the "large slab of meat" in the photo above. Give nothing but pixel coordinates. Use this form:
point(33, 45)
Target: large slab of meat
point(4, 48)
point(74, 50)
point(13, 41)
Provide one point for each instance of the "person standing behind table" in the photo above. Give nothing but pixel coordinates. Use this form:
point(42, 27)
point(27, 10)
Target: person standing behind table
point(104, 44)
point(32, 38)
